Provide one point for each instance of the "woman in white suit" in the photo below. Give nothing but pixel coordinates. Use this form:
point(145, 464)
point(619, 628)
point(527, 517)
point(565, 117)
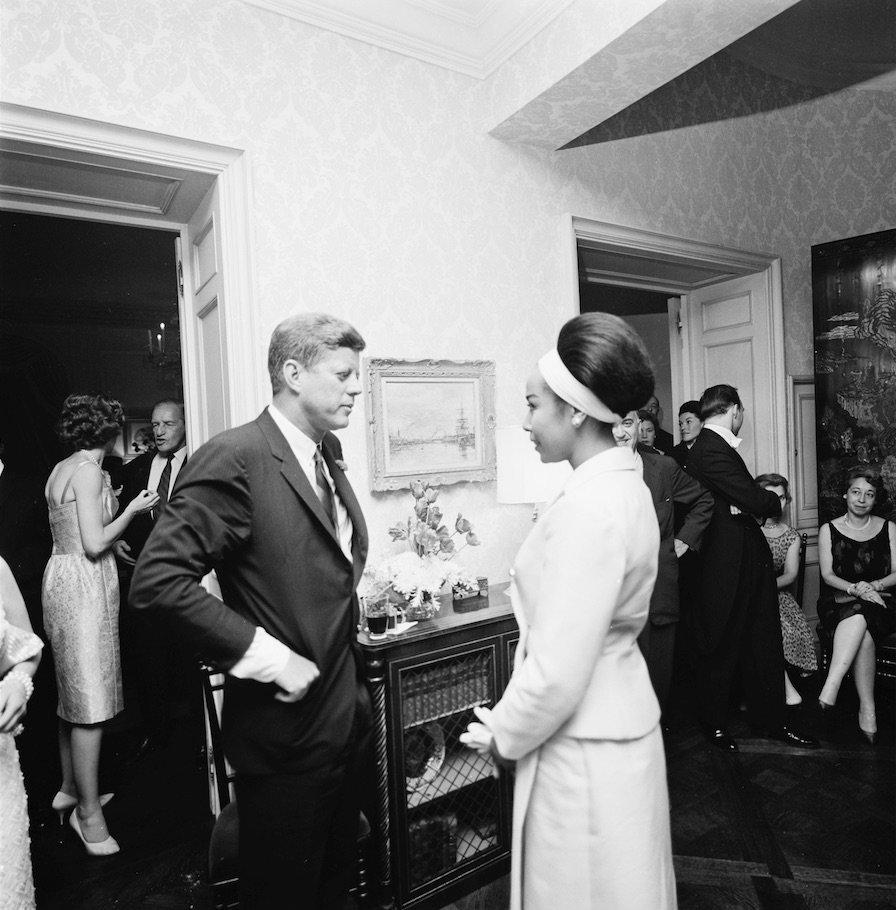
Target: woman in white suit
point(579, 716)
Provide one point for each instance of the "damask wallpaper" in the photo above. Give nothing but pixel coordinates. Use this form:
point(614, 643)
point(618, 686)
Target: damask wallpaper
point(378, 195)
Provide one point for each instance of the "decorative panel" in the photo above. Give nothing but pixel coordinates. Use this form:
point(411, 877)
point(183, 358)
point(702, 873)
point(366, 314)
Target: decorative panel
point(205, 256)
point(732, 363)
point(727, 313)
point(213, 379)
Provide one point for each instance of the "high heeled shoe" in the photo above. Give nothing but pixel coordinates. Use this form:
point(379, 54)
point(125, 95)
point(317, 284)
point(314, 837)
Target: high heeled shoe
point(100, 848)
point(63, 803)
point(870, 735)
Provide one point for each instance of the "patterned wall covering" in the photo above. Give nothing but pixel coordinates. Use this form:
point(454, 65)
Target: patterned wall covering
point(377, 195)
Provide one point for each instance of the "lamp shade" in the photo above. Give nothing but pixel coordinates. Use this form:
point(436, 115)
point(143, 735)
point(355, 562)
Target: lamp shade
point(522, 478)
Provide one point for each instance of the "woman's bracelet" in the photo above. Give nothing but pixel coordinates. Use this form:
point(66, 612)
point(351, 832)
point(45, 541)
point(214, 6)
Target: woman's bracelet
point(851, 590)
point(23, 679)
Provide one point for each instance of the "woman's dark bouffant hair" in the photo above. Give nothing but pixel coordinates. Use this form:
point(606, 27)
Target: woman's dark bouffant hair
point(607, 355)
point(775, 480)
point(89, 421)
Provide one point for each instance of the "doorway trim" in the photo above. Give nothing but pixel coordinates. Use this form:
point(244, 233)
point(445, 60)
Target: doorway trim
point(230, 169)
point(654, 247)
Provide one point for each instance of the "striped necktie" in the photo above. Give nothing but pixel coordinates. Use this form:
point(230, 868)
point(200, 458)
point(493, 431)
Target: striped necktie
point(324, 490)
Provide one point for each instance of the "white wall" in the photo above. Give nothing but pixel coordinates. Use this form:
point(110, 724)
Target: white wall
point(378, 196)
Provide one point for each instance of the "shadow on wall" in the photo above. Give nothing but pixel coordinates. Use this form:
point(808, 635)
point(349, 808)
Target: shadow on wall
point(813, 49)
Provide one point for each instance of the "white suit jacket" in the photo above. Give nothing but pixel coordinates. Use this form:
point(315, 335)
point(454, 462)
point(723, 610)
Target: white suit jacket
point(580, 589)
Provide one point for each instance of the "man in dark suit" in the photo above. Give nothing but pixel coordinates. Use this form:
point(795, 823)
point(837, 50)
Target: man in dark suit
point(662, 438)
point(689, 427)
point(736, 618)
point(267, 506)
point(150, 663)
point(670, 487)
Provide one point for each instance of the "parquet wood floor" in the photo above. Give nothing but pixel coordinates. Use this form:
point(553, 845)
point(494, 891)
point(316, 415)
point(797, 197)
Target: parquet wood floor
point(770, 828)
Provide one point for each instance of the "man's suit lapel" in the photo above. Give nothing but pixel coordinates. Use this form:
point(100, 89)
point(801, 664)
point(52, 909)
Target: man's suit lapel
point(293, 473)
point(6, 485)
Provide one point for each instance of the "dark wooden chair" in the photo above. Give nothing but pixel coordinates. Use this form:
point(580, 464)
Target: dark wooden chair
point(223, 870)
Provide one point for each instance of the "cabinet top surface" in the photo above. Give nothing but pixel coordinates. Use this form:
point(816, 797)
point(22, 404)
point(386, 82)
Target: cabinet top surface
point(452, 615)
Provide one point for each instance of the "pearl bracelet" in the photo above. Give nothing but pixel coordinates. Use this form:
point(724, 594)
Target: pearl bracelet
point(23, 679)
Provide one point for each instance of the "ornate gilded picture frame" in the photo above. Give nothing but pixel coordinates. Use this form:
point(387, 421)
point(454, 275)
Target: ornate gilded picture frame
point(431, 419)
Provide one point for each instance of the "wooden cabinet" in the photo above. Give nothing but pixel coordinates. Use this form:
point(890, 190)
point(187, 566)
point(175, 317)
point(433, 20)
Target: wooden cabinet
point(442, 820)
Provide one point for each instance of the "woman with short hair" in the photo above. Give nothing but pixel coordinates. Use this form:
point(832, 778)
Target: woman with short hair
point(80, 603)
point(857, 557)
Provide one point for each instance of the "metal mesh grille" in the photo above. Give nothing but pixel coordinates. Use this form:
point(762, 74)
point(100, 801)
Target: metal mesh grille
point(453, 799)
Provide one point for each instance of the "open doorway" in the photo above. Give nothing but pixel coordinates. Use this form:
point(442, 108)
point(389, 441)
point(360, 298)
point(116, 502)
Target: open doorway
point(724, 321)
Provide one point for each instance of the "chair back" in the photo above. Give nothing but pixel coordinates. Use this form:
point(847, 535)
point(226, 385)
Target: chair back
point(800, 581)
point(220, 773)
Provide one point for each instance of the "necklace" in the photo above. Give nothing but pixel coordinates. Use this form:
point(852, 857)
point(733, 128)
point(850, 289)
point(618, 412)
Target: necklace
point(91, 457)
point(847, 522)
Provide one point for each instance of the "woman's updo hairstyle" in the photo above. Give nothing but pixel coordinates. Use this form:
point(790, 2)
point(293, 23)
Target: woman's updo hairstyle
point(89, 421)
point(607, 355)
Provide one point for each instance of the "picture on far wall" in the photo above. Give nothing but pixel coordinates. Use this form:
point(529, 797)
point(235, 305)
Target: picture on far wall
point(854, 308)
point(431, 420)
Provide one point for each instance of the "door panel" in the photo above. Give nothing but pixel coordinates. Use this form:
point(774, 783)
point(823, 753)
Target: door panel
point(199, 252)
point(731, 340)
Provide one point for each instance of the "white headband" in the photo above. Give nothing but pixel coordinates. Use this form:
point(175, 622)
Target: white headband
point(566, 386)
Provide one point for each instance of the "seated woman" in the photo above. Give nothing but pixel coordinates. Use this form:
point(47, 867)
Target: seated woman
point(857, 555)
point(784, 542)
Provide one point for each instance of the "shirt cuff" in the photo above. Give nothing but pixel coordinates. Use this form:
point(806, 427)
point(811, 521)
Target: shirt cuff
point(264, 661)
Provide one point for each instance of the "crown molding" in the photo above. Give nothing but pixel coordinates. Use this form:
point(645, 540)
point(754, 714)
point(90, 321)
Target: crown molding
point(434, 44)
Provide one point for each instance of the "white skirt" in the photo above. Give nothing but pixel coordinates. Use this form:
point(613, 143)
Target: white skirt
point(596, 831)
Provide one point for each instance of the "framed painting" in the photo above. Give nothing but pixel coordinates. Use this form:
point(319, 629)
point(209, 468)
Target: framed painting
point(137, 437)
point(430, 419)
point(854, 309)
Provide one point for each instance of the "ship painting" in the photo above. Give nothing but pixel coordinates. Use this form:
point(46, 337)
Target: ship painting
point(431, 423)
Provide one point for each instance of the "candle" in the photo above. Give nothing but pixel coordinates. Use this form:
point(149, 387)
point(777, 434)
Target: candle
point(162, 338)
point(159, 339)
point(149, 339)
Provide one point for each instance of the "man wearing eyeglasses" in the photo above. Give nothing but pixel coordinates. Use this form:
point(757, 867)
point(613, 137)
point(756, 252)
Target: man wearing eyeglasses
point(145, 654)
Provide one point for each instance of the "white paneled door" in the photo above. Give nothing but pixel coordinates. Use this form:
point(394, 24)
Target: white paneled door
point(728, 335)
point(202, 289)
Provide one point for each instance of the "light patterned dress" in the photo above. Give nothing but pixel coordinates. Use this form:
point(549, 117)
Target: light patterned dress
point(799, 648)
point(16, 883)
point(80, 601)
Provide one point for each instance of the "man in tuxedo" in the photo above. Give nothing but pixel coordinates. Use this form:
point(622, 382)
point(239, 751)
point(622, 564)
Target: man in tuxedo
point(736, 618)
point(150, 662)
point(669, 487)
point(268, 507)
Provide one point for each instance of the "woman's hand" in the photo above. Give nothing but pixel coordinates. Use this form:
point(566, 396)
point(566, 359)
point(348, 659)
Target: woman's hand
point(871, 596)
point(144, 501)
point(13, 700)
point(478, 736)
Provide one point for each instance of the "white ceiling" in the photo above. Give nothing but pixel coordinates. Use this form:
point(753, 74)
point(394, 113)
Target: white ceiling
point(473, 37)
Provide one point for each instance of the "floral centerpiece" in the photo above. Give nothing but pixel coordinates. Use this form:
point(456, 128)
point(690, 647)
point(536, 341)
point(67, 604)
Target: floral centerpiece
point(416, 575)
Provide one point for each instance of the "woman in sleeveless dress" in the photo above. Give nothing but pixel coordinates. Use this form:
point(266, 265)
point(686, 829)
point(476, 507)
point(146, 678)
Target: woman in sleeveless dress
point(19, 655)
point(80, 601)
point(857, 557)
point(784, 542)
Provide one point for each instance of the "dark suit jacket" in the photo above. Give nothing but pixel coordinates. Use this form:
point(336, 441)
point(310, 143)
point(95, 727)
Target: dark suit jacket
point(25, 541)
point(670, 486)
point(244, 507)
point(733, 545)
point(135, 477)
point(663, 441)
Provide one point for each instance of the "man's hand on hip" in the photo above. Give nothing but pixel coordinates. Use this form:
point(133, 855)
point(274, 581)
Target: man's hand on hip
point(295, 678)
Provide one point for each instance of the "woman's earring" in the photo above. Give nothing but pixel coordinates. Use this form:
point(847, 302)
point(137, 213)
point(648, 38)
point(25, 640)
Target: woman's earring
point(577, 421)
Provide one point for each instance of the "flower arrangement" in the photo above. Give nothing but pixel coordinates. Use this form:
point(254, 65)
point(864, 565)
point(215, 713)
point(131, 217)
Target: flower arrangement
point(417, 574)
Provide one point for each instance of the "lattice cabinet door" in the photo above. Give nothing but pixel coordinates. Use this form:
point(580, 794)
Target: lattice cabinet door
point(451, 813)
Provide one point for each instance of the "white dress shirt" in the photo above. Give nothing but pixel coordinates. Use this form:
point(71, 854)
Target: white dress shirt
point(725, 433)
point(266, 657)
point(158, 465)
